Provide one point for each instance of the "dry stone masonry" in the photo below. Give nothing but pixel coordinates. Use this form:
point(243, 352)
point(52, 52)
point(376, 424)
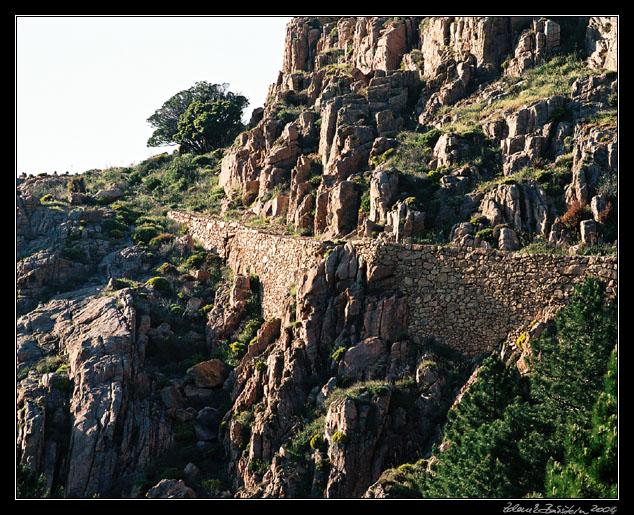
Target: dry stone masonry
point(278, 262)
point(471, 299)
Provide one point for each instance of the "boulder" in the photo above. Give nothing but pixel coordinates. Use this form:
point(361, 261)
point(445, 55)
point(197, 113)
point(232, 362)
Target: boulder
point(208, 374)
point(109, 195)
point(170, 489)
point(589, 232)
point(508, 240)
point(366, 360)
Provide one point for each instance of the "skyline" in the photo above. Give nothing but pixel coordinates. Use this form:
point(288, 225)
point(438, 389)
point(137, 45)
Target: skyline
point(85, 85)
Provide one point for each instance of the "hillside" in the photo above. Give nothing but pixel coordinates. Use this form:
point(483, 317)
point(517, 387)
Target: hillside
point(320, 309)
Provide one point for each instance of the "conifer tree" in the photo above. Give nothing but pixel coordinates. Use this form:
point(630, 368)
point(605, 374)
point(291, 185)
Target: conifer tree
point(494, 438)
point(499, 440)
point(590, 465)
point(567, 367)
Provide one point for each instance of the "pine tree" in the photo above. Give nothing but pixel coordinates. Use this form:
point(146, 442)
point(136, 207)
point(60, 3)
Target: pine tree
point(567, 367)
point(499, 441)
point(494, 439)
point(590, 465)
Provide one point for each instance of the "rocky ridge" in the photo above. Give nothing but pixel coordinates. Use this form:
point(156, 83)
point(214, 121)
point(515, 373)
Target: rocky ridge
point(330, 391)
point(349, 86)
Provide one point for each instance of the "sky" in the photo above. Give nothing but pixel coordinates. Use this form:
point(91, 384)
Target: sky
point(86, 85)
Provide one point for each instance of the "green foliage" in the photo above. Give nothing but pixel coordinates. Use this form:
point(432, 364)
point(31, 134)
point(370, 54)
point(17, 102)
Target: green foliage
point(160, 239)
point(288, 113)
point(340, 438)
point(572, 362)
point(29, 485)
point(429, 138)
point(590, 465)
point(183, 432)
point(205, 126)
point(364, 207)
point(317, 442)
point(494, 439)
point(49, 364)
point(552, 434)
point(159, 284)
point(213, 486)
point(145, 232)
point(196, 259)
point(166, 119)
point(113, 227)
point(412, 152)
point(338, 353)
point(486, 234)
point(76, 184)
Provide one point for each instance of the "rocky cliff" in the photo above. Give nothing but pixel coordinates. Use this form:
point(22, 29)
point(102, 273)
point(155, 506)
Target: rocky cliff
point(313, 331)
point(395, 125)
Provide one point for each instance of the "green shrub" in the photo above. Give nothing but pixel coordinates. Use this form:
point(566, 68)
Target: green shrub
point(364, 207)
point(160, 284)
point(145, 232)
point(63, 384)
point(317, 442)
point(238, 348)
point(323, 465)
point(152, 183)
point(430, 138)
point(167, 269)
point(196, 259)
point(486, 234)
point(339, 438)
point(76, 184)
point(183, 432)
point(213, 486)
point(160, 239)
point(202, 161)
point(338, 353)
point(176, 310)
point(125, 213)
point(73, 253)
point(49, 364)
point(113, 227)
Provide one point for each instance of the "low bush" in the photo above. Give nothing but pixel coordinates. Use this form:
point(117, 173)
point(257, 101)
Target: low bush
point(160, 284)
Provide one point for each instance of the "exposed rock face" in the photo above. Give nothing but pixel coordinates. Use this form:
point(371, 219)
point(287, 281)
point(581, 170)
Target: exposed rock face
point(114, 428)
point(335, 308)
point(208, 374)
point(171, 489)
point(340, 381)
point(594, 156)
point(601, 42)
point(525, 207)
point(534, 45)
point(351, 461)
point(383, 189)
point(363, 78)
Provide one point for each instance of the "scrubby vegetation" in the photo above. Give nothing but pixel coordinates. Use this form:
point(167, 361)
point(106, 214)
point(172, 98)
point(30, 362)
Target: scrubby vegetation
point(549, 434)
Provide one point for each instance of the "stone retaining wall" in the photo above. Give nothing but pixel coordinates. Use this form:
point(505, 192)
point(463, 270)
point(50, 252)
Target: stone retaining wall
point(468, 298)
point(473, 299)
point(278, 261)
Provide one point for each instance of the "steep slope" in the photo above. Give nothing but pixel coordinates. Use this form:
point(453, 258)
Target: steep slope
point(408, 127)
point(156, 360)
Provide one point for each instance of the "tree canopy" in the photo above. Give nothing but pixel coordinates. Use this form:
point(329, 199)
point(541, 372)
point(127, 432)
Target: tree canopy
point(200, 119)
point(551, 434)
